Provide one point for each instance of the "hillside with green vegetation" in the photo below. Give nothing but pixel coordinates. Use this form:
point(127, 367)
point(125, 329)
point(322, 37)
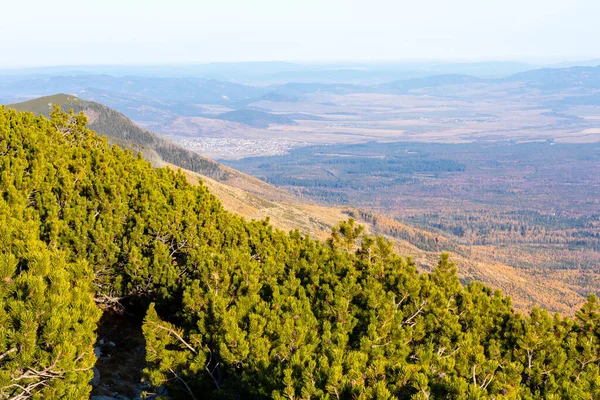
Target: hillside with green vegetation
point(122, 131)
point(238, 309)
point(255, 118)
point(315, 220)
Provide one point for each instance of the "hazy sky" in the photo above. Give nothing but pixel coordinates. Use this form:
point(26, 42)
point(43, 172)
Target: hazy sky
point(34, 32)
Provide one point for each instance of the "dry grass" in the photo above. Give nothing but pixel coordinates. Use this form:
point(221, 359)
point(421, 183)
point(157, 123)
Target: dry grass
point(474, 263)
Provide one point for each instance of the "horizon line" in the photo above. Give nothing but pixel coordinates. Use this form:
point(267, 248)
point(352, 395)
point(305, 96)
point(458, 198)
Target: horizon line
point(341, 63)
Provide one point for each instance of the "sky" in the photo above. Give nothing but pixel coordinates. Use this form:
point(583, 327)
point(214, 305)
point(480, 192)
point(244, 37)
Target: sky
point(69, 32)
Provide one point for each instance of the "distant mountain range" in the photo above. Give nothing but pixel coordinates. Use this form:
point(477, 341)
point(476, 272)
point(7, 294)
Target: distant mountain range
point(430, 81)
point(273, 72)
point(155, 99)
point(559, 78)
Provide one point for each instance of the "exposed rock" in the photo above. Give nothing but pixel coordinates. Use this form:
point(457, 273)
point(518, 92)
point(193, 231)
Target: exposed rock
point(95, 382)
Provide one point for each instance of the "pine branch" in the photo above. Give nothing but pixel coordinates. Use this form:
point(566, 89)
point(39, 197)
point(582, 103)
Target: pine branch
point(40, 378)
point(171, 331)
point(187, 387)
point(419, 311)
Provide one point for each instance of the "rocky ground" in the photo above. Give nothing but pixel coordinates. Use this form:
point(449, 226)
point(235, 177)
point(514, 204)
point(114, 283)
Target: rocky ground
point(118, 374)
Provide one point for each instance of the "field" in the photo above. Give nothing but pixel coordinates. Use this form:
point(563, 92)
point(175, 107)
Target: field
point(483, 113)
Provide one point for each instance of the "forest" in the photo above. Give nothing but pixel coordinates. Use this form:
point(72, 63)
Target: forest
point(235, 309)
point(498, 194)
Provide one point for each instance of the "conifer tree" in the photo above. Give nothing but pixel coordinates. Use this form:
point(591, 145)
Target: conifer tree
point(237, 309)
point(47, 317)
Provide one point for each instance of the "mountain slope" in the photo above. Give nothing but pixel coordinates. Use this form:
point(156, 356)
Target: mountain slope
point(547, 79)
point(255, 199)
point(559, 78)
point(231, 309)
point(255, 118)
point(119, 129)
point(122, 131)
point(526, 289)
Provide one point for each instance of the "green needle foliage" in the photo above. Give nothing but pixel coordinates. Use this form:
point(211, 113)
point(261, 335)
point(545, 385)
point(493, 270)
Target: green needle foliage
point(236, 309)
point(47, 313)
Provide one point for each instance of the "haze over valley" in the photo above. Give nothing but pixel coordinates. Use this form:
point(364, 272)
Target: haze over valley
point(216, 117)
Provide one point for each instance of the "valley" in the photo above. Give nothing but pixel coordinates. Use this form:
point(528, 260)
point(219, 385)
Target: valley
point(497, 171)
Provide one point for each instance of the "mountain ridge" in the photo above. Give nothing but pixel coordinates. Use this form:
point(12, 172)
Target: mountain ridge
point(120, 130)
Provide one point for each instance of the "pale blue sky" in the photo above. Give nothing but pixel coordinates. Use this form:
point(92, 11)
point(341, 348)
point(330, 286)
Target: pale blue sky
point(67, 32)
